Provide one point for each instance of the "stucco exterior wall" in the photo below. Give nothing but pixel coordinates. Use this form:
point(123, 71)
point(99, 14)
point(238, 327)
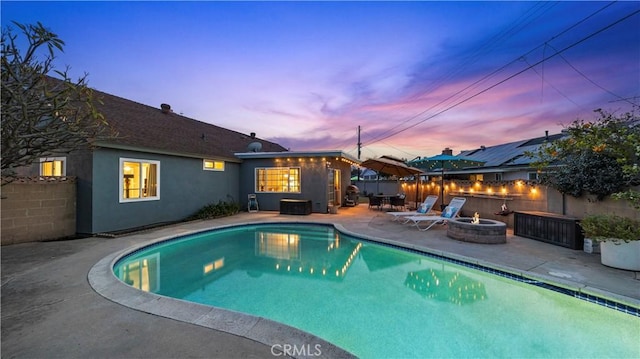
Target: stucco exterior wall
point(314, 176)
point(184, 188)
point(38, 210)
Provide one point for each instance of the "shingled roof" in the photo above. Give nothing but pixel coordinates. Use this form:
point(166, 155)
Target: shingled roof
point(154, 129)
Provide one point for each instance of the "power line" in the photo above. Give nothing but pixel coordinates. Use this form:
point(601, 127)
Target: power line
point(593, 82)
point(472, 85)
point(473, 58)
point(552, 86)
point(506, 79)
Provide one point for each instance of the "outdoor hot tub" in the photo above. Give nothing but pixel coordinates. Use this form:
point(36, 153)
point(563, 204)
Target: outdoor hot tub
point(487, 231)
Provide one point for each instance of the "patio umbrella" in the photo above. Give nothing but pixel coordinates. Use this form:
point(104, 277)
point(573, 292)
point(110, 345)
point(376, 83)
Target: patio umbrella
point(445, 162)
point(392, 167)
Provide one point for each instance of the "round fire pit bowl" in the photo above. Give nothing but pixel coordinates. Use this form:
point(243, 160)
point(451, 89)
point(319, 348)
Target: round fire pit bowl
point(487, 231)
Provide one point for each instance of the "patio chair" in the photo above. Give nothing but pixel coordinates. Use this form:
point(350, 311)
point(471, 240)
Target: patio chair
point(375, 202)
point(425, 208)
point(450, 211)
point(252, 206)
point(397, 202)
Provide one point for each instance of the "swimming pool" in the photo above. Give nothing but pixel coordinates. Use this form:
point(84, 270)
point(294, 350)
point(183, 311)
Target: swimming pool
point(375, 300)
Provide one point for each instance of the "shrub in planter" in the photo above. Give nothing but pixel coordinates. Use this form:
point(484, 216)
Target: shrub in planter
point(609, 227)
point(619, 237)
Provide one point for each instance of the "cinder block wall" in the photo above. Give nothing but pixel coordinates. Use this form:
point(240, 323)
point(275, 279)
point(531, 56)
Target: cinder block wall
point(487, 199)
point(489, 207)
point(588, 204)
point(38, 210)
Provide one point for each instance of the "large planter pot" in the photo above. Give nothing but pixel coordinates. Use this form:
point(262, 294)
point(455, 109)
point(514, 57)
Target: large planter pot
point(620, 254)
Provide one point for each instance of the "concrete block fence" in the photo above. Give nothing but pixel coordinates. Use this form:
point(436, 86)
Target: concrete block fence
point(487, 198)
point(38, 209)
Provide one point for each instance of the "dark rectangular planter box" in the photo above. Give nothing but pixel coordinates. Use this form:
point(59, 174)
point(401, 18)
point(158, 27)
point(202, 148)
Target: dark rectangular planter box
point(295, 206)
point(549, 227)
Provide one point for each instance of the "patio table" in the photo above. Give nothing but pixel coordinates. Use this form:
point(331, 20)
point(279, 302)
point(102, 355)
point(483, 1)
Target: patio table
point(386, 199)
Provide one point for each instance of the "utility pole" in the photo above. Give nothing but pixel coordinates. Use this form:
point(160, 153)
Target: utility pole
point(359, 143)
point(359, 152)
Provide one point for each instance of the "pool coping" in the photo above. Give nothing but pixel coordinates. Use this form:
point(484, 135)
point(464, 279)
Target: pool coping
point(580, 291)
point(278, 336)
point(275, 334)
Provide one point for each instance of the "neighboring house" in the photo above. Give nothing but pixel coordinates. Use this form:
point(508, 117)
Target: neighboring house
point(369, 175)
point(504, 162)
point(163, 167)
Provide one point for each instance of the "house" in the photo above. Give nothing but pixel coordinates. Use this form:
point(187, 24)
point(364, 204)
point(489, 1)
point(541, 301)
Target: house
point(503, 162)
point(163, 167)
point(369, 175)
point(318, 177)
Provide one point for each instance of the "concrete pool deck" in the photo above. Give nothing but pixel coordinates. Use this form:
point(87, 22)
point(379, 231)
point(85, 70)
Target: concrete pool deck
point(49, 309)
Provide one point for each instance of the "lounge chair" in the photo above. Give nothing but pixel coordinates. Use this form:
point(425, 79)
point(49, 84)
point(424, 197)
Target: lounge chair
point(424, 209)
point(450, 211)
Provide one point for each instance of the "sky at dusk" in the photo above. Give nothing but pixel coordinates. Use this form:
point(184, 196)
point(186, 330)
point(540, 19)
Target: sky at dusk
point(415, 76)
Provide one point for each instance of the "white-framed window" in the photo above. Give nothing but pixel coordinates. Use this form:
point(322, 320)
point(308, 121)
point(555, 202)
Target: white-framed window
point(212, 165)
point(278, 179)
point(139, 180)
point(53, 166)
point(533, 176)
point(498, 176)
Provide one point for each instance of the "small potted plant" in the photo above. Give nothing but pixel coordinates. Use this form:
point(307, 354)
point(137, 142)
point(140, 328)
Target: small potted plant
point(619, 239)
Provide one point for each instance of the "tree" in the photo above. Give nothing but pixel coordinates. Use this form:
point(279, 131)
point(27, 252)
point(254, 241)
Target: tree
point(600, 157)
point(41, 115)
point(587, 171)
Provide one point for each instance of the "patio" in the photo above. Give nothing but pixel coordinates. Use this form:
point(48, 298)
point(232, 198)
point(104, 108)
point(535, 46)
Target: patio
point(50, 310)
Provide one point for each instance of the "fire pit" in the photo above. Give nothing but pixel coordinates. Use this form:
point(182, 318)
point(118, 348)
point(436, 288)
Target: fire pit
point(476, 230)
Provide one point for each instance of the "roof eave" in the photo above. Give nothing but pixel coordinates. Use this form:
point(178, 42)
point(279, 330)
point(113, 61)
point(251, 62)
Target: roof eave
point(165, 152)
point(288, 154)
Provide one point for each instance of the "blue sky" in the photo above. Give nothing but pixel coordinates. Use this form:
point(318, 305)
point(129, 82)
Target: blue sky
point(416, 76)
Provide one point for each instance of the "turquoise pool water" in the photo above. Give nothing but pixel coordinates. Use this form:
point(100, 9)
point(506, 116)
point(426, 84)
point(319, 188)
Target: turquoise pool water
point(377, 301)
